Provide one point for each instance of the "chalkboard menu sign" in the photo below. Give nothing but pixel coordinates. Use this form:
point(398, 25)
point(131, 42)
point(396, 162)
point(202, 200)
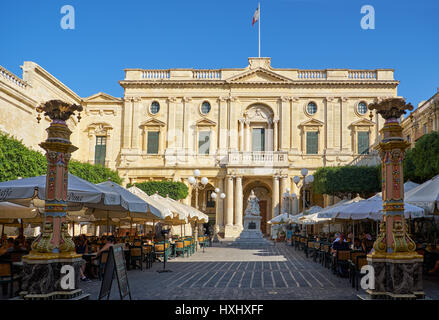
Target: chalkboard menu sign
point(115, 266)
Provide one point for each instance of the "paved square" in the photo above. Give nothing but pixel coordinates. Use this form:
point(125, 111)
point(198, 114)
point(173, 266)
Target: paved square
point(224, 272)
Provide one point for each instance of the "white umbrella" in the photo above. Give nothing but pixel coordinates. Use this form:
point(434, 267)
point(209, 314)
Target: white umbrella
point(9, 210)
point(409, 185)
point(313, 219)
point(32, 190)
point(179, 213)
point(282, 218)
point(165, 211)
point(425, 195)
point(334, 210)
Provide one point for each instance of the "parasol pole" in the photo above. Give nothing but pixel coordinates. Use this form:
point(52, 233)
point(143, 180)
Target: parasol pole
point(107, 224)
point(153, 229)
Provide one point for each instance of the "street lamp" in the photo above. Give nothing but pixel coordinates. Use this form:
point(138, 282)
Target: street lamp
point(197, 185)
point(306, 180)
point(214, 196)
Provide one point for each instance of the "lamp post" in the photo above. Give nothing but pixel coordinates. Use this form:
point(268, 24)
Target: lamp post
point(214, 196)
point(197, 183)
point(394, 255)
point(306, 180)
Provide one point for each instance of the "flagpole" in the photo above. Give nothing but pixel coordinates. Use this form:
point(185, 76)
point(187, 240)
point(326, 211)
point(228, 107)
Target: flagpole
point(259, 25)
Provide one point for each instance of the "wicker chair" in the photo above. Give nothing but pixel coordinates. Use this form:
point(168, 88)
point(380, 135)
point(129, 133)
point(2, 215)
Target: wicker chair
point(352, 266)
point(342, 261)
point(8, 277)
point(136, 257)
point(101, 263)
point(180, 248)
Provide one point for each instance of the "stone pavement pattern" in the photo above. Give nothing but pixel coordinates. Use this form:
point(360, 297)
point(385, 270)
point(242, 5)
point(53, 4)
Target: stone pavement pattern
point(224, 272)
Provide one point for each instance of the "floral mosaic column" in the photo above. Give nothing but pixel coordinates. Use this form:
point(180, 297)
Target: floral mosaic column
point(397, 266)
point(54, 247)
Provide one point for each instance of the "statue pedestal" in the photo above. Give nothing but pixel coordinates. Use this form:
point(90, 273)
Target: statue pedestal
point(252, 235)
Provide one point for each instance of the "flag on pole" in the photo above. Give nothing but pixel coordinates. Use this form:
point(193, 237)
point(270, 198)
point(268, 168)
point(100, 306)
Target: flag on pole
point(255, 16)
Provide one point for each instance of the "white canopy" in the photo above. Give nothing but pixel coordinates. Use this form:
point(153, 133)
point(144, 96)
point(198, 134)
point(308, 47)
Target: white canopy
point(179, 213)
point(425, 195)
point(79, 192)
point(282, 218)
point(334, 210)
point(367, 209)
point(129, 204)
point(165, 211)
point(296, 218)
point(10, 210)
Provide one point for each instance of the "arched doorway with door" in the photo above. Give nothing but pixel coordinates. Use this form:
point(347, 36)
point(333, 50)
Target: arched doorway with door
point(263, 192)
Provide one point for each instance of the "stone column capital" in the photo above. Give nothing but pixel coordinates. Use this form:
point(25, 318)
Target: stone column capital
point(171, 99)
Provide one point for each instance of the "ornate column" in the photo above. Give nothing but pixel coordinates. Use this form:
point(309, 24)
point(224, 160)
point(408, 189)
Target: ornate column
point(238, 203)
point(54, 248)
point(275, 197)
point(228, 229)
point(397, 266)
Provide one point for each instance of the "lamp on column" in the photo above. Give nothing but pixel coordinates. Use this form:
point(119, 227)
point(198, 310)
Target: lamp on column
point(197, 184)
point(306, 179)
point(214, 196)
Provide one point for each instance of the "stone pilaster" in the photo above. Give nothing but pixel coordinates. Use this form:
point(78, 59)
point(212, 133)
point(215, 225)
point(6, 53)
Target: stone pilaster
point(275, 197)
point(228, 228)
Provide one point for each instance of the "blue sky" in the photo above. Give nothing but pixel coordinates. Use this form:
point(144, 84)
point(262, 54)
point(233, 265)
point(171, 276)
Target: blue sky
point(112, 35)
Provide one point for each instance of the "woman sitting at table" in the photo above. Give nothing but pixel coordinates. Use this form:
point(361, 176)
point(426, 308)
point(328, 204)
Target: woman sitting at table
point(110, 242)
point(357, 245)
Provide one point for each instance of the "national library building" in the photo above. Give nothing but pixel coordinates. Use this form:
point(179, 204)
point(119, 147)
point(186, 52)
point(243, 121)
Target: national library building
point(251, 128)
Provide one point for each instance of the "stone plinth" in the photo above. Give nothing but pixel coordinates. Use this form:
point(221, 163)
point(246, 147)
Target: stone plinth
point(42, 279)
point(252, 235)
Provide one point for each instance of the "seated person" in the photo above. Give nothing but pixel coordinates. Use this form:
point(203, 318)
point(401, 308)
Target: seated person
point(367, 243)
point(110, 242)
point(357, 244)
point(18, 246)
point(435, 269)
point(339, 244)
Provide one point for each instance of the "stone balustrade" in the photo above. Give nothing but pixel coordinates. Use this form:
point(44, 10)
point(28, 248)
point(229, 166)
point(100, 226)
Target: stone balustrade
point(292, 74)
point(258, 158)
point(12, 78)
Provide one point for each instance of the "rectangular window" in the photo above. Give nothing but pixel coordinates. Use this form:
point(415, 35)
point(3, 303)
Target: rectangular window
point(363, 142)
point(312, 142)
point(425, 129)
point(100, 150)
point(258, 139)
point(203, 142)
point(408, 138)
point(153, 142)
point(210, 203)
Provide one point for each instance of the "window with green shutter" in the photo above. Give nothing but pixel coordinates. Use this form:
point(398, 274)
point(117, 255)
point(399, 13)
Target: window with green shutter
point(100, 150)
point(153, 142)
point(258, 140)
point(312, 142)
point(363, 142)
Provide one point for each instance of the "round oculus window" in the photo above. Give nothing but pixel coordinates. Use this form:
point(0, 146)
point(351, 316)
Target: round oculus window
point(155, 107)
point(205, 107)
point(311, 108)
point(362, 108)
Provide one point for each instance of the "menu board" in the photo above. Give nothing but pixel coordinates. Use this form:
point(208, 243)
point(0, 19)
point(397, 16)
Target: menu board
point(115, 266)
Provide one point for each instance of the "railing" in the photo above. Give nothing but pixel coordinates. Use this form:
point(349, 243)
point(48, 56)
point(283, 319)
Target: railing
point(9, 76)
point(207, 74)
point(311, 74)
point(155, 74)
point(258, 158)
point(363, 74)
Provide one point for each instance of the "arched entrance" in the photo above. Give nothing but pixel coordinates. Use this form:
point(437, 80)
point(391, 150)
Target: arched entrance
point(263, 192)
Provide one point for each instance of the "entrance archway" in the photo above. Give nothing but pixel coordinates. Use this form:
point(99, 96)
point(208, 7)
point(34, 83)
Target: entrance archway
point(263, 193)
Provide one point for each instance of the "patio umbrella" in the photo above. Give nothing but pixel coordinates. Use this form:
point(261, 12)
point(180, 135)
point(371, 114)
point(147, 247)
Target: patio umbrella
point(280, 219)
point(32, 190)
point(130, 204)
point(165, 211)
point(9, 210)
point(425, 195)
point(180, 214)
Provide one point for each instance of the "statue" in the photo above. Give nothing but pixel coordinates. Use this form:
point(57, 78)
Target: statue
point(252, 205)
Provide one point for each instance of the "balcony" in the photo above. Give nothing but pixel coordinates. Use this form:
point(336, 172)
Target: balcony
point(258, 158)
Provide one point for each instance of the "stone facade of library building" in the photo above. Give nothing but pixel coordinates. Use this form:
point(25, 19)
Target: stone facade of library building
point(246, 129)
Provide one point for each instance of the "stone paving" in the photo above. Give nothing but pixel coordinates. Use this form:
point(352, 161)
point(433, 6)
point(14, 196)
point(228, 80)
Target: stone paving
point(224, 272)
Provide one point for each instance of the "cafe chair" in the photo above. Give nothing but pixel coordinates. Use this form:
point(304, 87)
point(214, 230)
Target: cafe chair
point(148, 256)
point(136, 257)
point(359, 263)
point(189, 245)
point(180, 248)
point(161, 249)
point(101, 263)
point(8, 277)
point(352, 266)
point(342, 264)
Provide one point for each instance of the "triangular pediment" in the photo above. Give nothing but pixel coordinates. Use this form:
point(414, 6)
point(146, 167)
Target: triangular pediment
point(311, 122)
point(362, 122)
point(152, 122)
point(258, 75)
point(101, 97)
point(205, 122)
